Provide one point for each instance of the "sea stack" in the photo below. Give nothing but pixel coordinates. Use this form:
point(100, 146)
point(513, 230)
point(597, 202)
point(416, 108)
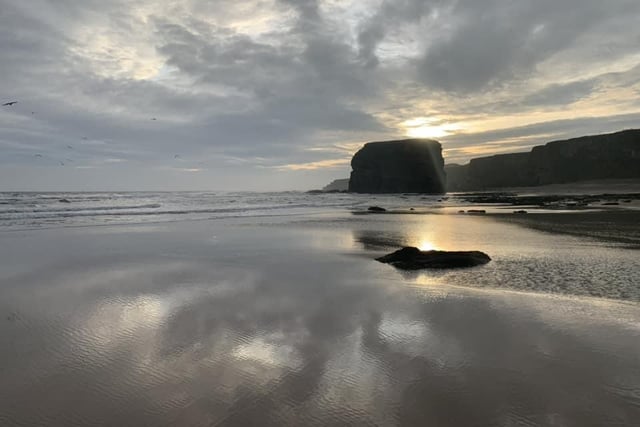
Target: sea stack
point(404, 166)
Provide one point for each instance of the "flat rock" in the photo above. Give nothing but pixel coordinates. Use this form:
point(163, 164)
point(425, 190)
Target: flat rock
point(411, 258)
point(376, 209)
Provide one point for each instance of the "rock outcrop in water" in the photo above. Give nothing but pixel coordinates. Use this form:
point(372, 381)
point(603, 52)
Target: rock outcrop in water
point(411, 258)
point(406, 166)
point(612, 156)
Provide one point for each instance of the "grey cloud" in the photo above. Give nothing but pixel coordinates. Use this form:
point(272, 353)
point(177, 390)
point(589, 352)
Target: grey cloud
point(560, 94)
point(497, 40)
point(475, 45)
point(292, 89)
point(309, 17)
point(390, 14)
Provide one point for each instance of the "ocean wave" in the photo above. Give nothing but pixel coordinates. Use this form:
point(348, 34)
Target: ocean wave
point(35, 210)
point(80, 209)
point(110, 211)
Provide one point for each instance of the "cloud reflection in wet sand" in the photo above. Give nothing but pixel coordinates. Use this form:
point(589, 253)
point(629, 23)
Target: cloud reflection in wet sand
point(227, 338)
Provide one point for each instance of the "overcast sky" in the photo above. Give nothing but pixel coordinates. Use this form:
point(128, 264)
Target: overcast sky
point(278, 94)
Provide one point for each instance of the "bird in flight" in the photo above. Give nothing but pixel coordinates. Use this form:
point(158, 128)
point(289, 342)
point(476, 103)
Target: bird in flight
point(9, 104)
point(69, 147)
point(153, 118)
point(61, 163)
point(177, 156)
point(37, 155)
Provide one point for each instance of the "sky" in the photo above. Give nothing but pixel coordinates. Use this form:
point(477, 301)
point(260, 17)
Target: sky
point(279, 94)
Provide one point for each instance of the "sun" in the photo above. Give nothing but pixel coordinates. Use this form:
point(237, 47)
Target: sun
point(428, 127)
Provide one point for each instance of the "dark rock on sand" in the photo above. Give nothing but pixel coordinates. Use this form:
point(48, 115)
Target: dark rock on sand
point(405, 166)
point(64, 201)
point(411, 258)
point(519, 212)
point(376, 209)
point(477, 211)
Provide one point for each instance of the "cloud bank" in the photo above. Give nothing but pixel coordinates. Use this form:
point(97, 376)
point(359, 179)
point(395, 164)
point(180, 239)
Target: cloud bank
point(277, 94)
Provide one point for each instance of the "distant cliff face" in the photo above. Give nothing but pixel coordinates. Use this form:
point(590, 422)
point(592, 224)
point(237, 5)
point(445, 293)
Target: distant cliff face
point(337, 185)
point(406, 166)
point(612, 156)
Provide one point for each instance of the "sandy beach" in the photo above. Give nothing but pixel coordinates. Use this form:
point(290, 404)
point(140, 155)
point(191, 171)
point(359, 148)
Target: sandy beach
point(290, 321)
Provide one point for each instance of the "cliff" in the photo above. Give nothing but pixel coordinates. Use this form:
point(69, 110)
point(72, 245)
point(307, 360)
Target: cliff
point(405, 166)
point(337, 185)
point(611, 156)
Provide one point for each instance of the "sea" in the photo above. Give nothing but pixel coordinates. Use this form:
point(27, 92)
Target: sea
point(28, 210)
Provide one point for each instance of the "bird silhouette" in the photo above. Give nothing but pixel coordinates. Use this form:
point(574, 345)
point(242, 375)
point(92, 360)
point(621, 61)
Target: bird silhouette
point(61, 163)
point(69, 147)
point(177, 156)
point(153, 118)
point(9, 104)
point(37, 155)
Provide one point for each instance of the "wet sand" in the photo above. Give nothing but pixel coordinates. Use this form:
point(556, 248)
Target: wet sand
point(612, 225)
point(281, 322)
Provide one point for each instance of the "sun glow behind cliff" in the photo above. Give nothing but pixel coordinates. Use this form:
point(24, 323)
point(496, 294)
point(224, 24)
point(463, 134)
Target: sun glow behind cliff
point(429, 127)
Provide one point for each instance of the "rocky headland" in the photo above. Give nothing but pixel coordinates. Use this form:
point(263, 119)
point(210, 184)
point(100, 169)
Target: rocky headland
point(405, 166)
point(599, 157)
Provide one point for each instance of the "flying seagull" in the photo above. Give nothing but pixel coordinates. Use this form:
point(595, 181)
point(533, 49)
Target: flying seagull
point(61, 163)
point(177, 156)
point(37, 155)
point(153, 118)
point(9, 104)
point(69, 147)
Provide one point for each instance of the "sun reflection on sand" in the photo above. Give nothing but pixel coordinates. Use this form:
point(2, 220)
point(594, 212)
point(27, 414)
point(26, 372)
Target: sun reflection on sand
point(427, 237)
point(426, 245)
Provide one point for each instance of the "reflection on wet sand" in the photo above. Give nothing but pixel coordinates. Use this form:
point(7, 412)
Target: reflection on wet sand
point(421, 232)
point(522, 259)
point(268, 329)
